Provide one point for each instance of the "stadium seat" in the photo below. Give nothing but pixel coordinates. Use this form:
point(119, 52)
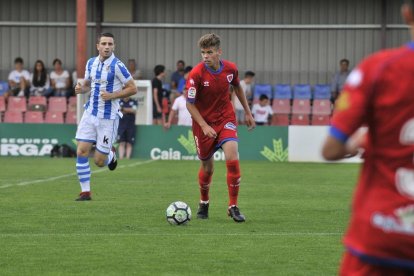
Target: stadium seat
point(302, 91)
point(321, 120)
point(322, 91)
point(321, 107)
point(34, 117)
point(281, 106)
point(299, 119)
point(72, 104)
point(260, 89)
point(282, 91)
point(54, 117)
point(2, 104)
point(70, 117)
point(13, 117)
point(37, 103)
point(4, 87)
point(17, 104)
point(300, 106)
point(57, 104)
point(280, 120)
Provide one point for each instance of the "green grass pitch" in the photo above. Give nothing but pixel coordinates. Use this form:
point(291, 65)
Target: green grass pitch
point(296, 215)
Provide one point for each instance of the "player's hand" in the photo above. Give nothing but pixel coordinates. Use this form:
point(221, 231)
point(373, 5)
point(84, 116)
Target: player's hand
point(78, 88)
point(210, 132)
point(251, 124)
point(106, 96)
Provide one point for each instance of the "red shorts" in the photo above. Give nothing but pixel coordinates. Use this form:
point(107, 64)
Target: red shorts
point(206, 146)
point(352, 265)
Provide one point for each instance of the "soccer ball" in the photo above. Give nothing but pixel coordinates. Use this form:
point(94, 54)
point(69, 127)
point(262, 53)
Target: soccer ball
point(178, 213)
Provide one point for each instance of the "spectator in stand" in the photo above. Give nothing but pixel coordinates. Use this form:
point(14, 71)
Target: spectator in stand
point(180, 106)
point(127, 127)
point(246, 85)
point(339, 78)
point(19, 80)
point(177, 75)
point(158, 94)
point(40, 85)
point(60, 80)
point(132, 68)
point(262, 112)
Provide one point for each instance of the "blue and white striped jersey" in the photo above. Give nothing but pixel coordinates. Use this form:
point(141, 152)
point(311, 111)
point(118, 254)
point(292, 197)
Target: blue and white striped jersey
point(110, 76)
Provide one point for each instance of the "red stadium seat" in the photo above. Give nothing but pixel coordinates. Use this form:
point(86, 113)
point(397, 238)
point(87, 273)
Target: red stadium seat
point(57, 104)
point(72, 104)
point(281, 106)
point(17, 104)
point(34, 117)
point(13, 117)
point(300, 119)
point(37, 103)
point(2, 104)
point(53, 117)
point(301, 106)
point(321, 120)
point(322, 107)
point(71, 117)
point(280, 120)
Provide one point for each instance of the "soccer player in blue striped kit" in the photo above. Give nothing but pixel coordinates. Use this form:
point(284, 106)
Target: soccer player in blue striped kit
point(108, 80)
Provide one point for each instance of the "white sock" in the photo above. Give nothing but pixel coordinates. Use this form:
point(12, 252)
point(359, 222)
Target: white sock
point(110, 156)
point(85, 186)
point(205, 202)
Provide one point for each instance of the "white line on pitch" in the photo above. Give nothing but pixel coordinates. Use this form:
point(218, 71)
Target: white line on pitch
point(293, 234)
point(24, 183)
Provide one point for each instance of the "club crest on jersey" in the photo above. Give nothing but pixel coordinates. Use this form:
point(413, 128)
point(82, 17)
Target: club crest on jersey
point(191, 93)
point(230, 77)
point(230, 126)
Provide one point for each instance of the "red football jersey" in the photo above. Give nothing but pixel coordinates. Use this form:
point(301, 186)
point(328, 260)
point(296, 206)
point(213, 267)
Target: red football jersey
point(209, 91)
point(379, 93)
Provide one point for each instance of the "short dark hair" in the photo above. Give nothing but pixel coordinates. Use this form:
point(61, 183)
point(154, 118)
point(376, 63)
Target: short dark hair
point(249, 74)
point(159, 69)
point(263, 97)
point(181, 61)
point(188, 69)
point(344, 60)
point(56, 60)
point(104, 35)
point(18, 60)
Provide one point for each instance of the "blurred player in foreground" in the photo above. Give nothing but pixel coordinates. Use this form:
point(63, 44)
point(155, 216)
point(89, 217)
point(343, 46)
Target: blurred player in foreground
point(214, 121)
point(108, 80)
point(379, 93)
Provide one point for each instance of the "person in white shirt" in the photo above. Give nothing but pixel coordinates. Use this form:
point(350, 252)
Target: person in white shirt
point(180, 106)
point(246, 85)
point(19, 79)
point(60, 80)
point(262, 112)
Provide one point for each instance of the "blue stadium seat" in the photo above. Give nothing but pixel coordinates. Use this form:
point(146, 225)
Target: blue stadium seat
point(260, 89)
point(302, 91)
point(4, 86)
point(322, 91)
point(282, 91)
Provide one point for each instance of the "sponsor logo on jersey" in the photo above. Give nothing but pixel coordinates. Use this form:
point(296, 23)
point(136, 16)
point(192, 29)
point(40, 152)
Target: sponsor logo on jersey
point(230, 126)
point(191, 93)
point(230, 77)
point(99, 81)
point(206, 83)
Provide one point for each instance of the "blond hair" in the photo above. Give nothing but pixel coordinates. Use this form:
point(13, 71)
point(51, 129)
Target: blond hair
point(209, 40)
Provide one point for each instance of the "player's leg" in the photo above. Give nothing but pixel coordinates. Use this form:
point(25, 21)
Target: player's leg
point(130, 140)
point(121, 150)
point(231, 153)
point(106, 135)
point(128, 150)
point(204, 180)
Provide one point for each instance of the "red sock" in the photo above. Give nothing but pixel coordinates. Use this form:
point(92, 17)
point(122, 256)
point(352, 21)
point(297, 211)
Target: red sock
point(233, 180)
point(204, 181)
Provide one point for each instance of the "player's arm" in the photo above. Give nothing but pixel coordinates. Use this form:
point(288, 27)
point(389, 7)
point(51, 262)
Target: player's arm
point(170, 118)
point(155, 97)
point(129, 89)
point(238, 90)
point(82, 86)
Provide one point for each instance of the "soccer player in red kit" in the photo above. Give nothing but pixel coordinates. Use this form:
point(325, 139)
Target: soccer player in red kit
point(379, 94)
point(214, 121)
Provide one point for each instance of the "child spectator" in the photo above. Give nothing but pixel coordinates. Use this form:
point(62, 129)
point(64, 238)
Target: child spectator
point(19, 80)
point(262, 112)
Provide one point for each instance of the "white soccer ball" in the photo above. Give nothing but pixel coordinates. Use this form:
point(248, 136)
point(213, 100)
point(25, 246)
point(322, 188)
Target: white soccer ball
point(178, 213)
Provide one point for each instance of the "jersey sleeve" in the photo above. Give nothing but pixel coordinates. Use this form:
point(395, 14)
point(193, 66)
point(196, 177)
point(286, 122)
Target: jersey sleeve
point(122, 72)
point(88, 69)
point(192, 87)
point(236, 80)
point(352, 106)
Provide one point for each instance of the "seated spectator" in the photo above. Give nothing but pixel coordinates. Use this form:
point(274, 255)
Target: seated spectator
point(40, 80)
point(262, 112)
point(19, 80)
point(60, 80)
point(132, 68)
point(246, 84)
